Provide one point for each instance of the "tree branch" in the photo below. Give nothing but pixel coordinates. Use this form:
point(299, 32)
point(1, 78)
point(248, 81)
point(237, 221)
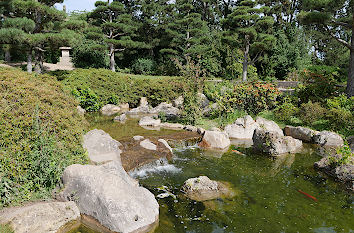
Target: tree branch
point(343, 42)
point(119, 50)
point(347, 25)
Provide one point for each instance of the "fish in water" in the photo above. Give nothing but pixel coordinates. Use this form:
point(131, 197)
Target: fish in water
point(237, 152)
point(307, 195)
point(166, 194)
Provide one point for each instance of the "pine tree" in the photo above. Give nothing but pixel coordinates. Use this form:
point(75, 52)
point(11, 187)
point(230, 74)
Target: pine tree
point(334, 18)
point(250, 28)
point(117, 25)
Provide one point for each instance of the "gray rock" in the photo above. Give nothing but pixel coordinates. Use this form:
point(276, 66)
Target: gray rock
point(124, 106)
point(172, 126)
point(168, 110)
point(203, 100)
point(215, 129)
point(149, 121)
point(269, 125)
point(163, 141)
point(178, 103)
point(343, 173)
point(204, 189)
point(147, 144)
point(121, 118)
point(40, 217)
point(272, 143)
point(327, 138)
point(138, 138)
point(110, 109)
point(80, 110)
point(101, 147)
point(109, 195)
point(215, 140)
point(190, 128)
point(301, 133)
point(201, 131)
point(350, 141)
point(143, 102)
point(243, 128)
point(141, 110)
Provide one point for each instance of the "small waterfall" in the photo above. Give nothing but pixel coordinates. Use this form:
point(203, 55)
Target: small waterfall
point(158, 166)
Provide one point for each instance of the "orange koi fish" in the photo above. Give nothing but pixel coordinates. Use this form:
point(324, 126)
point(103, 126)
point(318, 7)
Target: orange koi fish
point(307, 195)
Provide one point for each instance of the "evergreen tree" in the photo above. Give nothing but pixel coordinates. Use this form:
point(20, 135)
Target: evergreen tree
point(334, 18)
point(117, 25)
point(250, 28)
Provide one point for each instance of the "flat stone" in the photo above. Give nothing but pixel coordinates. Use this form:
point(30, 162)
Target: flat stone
point(147, 144)
point(190, 128)
point(101, 147)
point(149, 121)
point(174, 126)
point(48, 217)
point(138, 138)
point(203, 189)
point(110, 109)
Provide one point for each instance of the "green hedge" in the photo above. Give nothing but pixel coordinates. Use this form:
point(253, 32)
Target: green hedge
point(41, 133)
point(111, 87)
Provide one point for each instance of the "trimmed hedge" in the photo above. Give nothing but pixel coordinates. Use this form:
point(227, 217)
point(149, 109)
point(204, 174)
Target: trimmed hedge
point(41, 133)
point(111, 87)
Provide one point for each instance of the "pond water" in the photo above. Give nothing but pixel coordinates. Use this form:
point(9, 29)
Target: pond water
point(267, 200)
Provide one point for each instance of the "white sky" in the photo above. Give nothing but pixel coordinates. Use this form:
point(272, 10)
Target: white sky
point(80, 5)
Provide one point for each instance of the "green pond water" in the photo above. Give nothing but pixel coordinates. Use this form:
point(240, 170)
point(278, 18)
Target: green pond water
point(267, 197)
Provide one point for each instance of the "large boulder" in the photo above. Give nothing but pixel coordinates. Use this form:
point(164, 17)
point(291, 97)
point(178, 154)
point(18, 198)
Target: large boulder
point(243, 128)
point(215, 140)
point(272, 143)
point(143, 108)
point(327, 138)
point(168, 110)
point(101, 147)
point(108, 194)
point(301, 133)
point(269, 125)
point(40, 217)
point(203, 189)
point(110, 109)
point(149, 121)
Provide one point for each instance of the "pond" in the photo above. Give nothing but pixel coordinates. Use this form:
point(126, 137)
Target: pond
point(268, 199)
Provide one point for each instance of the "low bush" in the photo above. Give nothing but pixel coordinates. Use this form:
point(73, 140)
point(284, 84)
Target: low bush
point(40, 133)
point(143, 66)
point(311, 112)
point(286, 111)
point(253, 97)
point(111, 87)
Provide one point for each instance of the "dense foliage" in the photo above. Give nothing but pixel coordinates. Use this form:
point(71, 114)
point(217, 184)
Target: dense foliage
point(97, 87)
point(40, 132)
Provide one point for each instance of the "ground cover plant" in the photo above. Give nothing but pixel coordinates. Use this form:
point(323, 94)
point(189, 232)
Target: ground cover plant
point(40, 132)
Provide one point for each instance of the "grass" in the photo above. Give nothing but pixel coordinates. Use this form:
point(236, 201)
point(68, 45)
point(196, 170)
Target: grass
point(6, 229)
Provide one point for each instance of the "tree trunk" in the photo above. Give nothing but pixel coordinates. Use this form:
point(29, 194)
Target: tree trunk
point(7, 54)
point(29, 61)
point(245, 59)
point(38, 68)
point(112, 62)
point(350, 82)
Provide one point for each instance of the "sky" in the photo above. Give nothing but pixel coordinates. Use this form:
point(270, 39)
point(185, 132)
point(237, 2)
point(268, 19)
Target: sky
point(81, 5)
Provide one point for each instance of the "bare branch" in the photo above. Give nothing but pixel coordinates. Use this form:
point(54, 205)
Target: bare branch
point(119, 50)
point(347, 25)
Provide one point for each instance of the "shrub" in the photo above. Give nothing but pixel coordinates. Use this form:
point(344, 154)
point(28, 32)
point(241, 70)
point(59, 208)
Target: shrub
point(311, 112)
point(124, 88)
point(89, 54)
point(318, 84)
point(88, 99)
point(340, 114)
point(40, 133)
point(286, 111)
point(143, 66)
